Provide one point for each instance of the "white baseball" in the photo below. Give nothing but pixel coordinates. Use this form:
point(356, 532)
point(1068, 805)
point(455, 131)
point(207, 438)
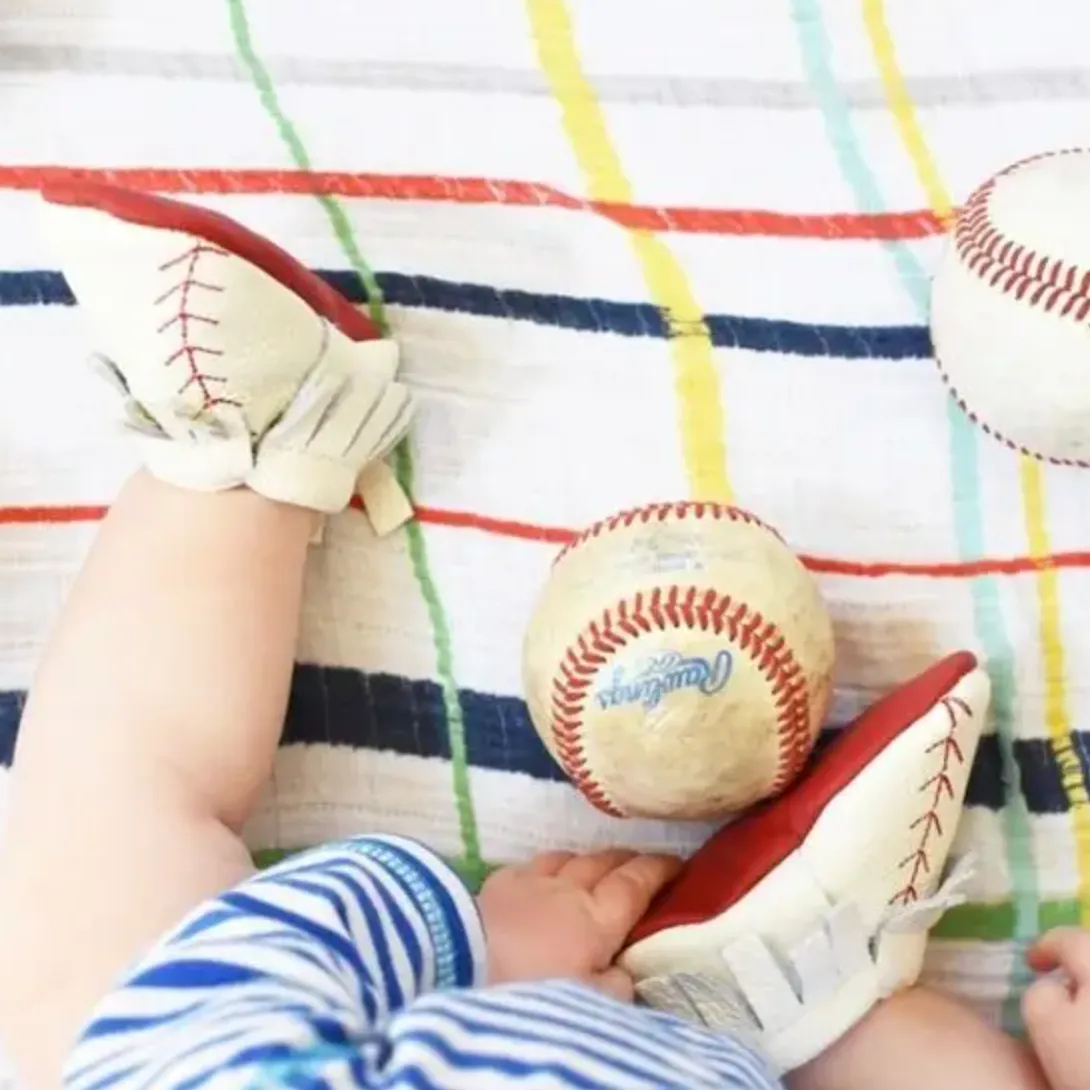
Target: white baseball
point(678, 662)
point(1010, 308)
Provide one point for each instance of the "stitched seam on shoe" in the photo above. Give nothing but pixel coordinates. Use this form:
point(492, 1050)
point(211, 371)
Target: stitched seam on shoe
point(916, 868)
point(186, 320)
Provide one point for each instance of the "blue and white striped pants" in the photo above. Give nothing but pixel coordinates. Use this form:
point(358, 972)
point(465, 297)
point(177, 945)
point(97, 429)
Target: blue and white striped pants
point(362, 965)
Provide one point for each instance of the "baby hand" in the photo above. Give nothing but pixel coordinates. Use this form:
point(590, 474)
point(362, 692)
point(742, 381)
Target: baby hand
point(566, 916)
point(1057, 1010)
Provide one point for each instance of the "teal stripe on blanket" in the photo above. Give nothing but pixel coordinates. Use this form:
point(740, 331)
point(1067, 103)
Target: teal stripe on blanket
point(818, 53)
point(340, 706)
point(895, 342)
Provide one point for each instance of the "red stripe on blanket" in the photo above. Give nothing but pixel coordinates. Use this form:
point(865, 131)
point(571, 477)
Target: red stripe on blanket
point(41, 514)
point(411, 187)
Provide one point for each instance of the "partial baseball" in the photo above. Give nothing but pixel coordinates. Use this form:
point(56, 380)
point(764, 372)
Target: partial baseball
point(1010, 307)
point(678, 663)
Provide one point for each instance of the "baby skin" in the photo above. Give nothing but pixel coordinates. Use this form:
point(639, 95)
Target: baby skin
point(138, 947)
point(130, 792)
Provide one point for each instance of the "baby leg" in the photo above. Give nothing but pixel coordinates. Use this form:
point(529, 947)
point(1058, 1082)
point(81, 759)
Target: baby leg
point(155, 716)
point(921, 1038)
point(151, 727)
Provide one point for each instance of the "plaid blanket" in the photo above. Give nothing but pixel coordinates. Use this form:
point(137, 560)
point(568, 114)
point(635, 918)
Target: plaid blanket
point(633, 251)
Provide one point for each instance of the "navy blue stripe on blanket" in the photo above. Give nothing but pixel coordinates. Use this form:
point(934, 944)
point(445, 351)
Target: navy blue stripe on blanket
point(11, 709)
point(346, 707)
point(898, 342)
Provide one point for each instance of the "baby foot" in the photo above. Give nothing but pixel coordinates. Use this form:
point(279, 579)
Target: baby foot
point(791, 923)
point(236, 364)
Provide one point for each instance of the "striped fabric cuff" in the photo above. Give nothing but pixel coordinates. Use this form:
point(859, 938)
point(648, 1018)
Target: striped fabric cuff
point(446, 905)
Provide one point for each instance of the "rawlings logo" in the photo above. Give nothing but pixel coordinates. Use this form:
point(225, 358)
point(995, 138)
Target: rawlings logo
point(665, 673)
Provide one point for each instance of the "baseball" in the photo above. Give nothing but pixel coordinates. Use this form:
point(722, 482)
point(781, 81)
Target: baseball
point(1010, 308)
point(678, 662)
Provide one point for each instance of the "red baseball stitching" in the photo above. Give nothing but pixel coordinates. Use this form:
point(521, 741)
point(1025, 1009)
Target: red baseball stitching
point(671, 608)
point(1016, 269)
point(1049, 283)
point(918, 863)
point(682, 509)
point(183, 317)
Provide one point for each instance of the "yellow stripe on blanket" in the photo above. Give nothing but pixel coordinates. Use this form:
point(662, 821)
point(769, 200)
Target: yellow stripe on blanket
point(700, 409)
point(1057, 714)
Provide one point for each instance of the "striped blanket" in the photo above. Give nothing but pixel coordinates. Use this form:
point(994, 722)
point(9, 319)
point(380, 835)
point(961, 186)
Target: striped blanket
point(633, 250)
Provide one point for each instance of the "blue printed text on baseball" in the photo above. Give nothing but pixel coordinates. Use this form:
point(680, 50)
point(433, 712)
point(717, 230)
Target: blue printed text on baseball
point(664, 673)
